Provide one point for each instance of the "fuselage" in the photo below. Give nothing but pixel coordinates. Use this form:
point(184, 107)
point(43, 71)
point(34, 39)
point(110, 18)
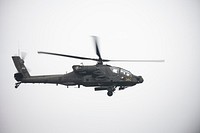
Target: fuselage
point(102, 77)
point(97, 75)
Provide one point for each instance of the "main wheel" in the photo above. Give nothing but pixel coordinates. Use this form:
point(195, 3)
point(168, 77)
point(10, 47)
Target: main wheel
point(109, 93)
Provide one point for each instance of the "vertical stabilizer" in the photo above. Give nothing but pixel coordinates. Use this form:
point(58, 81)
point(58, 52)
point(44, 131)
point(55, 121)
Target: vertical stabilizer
point(21, 68)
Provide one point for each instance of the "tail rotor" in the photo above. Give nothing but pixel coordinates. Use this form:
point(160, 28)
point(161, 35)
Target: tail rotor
point(23, 55)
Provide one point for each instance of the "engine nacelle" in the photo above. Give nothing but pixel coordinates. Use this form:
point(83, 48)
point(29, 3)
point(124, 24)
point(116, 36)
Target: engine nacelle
point(84, 69)
point(18, 76)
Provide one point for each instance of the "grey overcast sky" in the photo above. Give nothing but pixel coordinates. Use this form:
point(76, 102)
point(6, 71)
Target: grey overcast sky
point(167, 102)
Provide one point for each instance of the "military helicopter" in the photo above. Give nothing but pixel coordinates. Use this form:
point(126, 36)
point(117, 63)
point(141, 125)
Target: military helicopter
point(99, 76)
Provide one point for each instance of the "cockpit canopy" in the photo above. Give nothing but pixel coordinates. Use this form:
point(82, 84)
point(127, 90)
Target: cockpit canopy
point(120, 71)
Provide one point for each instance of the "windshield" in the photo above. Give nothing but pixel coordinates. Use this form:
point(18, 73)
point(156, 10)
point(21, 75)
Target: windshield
point(125, 72)
point(120, 71)
point(115, 69)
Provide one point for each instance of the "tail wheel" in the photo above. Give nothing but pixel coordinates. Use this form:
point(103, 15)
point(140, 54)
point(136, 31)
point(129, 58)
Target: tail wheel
point(17, 84)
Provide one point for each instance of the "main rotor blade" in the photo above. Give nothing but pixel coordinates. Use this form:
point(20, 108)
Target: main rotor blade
point(133, 60)
point(70, 56)
point(97, 47)
point(104, 60)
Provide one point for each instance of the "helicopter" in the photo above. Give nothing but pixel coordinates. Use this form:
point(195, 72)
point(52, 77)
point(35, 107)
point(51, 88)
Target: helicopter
point(99, 76)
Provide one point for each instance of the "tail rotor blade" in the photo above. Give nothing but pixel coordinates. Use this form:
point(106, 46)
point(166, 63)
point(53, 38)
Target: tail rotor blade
point(23, 55)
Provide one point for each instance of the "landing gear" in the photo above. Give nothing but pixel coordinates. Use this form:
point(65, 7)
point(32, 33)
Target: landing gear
point(17, 84)
point(109, 93)
point(111, 90)
point(122, 87)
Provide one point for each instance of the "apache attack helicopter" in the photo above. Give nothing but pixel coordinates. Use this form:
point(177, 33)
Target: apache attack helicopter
point(100, 76)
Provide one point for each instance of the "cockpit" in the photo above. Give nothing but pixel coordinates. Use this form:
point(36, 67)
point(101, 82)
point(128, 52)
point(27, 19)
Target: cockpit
point(120, 71)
